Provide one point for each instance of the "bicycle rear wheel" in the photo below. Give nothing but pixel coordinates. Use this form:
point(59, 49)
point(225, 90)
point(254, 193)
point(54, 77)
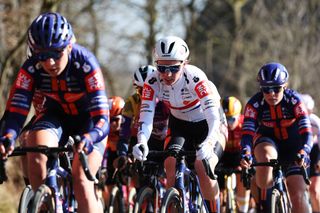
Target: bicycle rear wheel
point(43, 200)
point(279, 202)
point(25, 200)
point(145, 201)
point(172, 202)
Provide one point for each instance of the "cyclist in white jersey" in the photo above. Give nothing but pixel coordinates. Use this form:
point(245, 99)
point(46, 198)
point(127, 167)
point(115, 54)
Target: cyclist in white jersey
point(196, 120)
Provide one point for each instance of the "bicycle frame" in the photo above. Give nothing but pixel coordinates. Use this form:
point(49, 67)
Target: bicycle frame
point(185, 175)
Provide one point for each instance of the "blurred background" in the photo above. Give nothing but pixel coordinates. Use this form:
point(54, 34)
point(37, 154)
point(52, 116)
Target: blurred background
point(229, 40)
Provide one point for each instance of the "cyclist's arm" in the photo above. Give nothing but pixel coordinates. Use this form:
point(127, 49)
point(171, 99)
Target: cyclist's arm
point(209, 98)
point(98, 102)
point(148, 104)
point(305, 129)
point(19, 102)
point(125, 128)
point(250, 125)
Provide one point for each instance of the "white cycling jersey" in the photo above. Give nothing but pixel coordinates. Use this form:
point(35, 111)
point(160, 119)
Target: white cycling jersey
point(192, 98)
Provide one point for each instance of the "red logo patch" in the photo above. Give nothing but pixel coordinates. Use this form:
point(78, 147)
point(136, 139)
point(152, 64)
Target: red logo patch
point(147, 93)
point(300, 110)
point(94, 81)
point(250, 112)
point(202, 89)
point(24, 81)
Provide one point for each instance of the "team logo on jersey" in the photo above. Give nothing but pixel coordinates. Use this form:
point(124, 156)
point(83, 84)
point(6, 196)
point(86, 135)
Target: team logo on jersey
point(86, 67)
point(31, 69)
point(24, 80)
point(77, 65)
point(250, 112)
point(202, 89)
point(152, 80)
point(300, 110)
point(195, 79)
point(94, 81)
point(147, 93)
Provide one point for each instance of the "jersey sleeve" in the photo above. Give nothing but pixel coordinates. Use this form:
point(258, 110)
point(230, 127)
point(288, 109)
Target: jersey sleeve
point(250, 123)
point(304, 125)
point(19, 102)
point(148, 104)
point(209, 98)
point(97, 99)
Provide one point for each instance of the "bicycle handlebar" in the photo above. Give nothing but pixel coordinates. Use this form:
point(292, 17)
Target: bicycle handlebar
point(18, 151)
point(248, 173)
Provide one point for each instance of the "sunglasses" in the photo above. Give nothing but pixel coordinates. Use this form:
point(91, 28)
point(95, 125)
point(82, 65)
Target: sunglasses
point(268, 90)
point(231, 119)
point(172, 68)
point(45, 55)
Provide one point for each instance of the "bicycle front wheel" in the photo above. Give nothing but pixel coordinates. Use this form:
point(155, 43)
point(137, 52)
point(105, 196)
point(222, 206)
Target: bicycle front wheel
point(43, 200)
point(25, 200)
point(116, 203)
point(279, 202)
point(172, 202)
point(145, 201)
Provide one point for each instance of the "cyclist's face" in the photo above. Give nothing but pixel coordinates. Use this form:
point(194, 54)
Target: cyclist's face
point(55, 67)
point(172, 73)
point(273, 98)
point(115, 123)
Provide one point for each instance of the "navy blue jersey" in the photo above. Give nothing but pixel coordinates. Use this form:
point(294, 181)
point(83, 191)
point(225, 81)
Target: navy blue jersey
point(79, 89)
point(286, 120)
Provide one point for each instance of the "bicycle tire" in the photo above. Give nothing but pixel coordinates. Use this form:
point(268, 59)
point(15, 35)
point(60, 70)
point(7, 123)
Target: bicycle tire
point(116, 204)
point(25, 200)
point(144, 199)
point(279, 202)
point(172, 197)
point(230, 205)
point(131, 199)
point(43, 200)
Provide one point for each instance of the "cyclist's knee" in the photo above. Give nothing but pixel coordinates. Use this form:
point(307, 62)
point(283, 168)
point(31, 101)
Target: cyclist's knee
point(265, 151)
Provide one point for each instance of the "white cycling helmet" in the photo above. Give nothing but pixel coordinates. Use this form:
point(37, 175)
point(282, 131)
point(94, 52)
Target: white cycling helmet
point(308, 101)
point(171, 48)
point(141, 74)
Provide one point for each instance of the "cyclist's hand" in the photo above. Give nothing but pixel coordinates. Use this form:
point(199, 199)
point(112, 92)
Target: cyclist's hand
point(120, 162)
point(206, 150)
point(303, 158)
point(246, 157)
point(6, 145)
point(140, 151)
point(85, 144)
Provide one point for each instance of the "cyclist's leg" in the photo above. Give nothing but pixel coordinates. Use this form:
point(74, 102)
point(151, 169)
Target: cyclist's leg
point(297, 190)
point(109, 182)
point(170, 163)
point(47, 131)
point(84, 188)
point(242, 196)
point(264, 150)
point(315, 178)
point(209, 187)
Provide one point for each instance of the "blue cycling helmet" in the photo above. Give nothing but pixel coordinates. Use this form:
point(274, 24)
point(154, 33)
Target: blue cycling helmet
point(272, 74)
point(49, 31)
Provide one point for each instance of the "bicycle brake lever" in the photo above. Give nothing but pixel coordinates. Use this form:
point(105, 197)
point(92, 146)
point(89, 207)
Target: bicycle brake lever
point(84, 162)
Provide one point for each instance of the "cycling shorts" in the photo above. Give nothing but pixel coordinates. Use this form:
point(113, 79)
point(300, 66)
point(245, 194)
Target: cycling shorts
point(64, 126)
point(193, 133)
point(287, 152)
